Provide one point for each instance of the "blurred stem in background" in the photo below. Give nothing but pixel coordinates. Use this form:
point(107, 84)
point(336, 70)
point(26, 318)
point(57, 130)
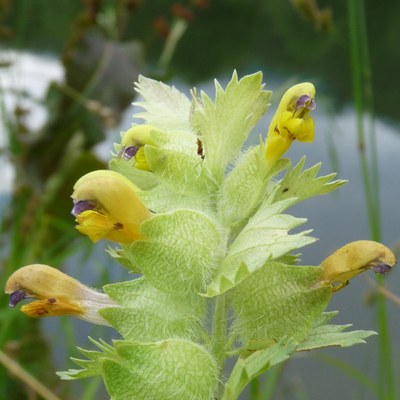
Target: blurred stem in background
point(28, 379)
point(367, 145)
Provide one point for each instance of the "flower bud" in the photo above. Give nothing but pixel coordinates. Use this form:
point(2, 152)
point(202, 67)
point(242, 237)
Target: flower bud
point(132, 145)
point(56, 293)
point(291, 121)
point(106, 206)
point(352, 259)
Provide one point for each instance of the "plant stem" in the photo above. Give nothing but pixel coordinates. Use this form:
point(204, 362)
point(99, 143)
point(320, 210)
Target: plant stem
point(255, 389)
point(177, 31)
point(26, 377)
point(387, 293)
point(272, 381)
point(218, 346)
point(350, 371)
point(362, 91)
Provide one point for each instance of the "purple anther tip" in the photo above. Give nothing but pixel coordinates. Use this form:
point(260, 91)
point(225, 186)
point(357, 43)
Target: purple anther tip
point(16, 297)
point(130, 152)
point(81, 206)
point(307, 102)
point(381, 268)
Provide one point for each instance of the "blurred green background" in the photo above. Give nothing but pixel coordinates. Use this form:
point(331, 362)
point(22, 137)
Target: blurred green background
point(66, 86)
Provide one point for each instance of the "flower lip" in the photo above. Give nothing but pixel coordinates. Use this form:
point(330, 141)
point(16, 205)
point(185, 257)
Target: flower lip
point(381, 268)
point(16, 297)
point(81, 206)
point(130, 152)
point(306, 102)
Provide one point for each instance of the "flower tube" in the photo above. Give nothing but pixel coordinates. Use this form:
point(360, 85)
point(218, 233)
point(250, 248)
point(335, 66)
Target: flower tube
point(106, 206)
point(291, 121)
point(56, 294)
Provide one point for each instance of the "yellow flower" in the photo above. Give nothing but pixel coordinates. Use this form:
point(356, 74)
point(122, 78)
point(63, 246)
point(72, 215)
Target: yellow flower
point(352, 259)
point(132, 145)
point(106, 206)
point(56, 293)
point(291, 121)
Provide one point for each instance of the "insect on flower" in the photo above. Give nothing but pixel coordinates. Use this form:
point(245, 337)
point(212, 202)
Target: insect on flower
point(200, 150)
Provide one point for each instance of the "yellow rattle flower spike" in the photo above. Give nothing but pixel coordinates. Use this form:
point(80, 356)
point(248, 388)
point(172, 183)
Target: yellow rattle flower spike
point(56, 294)
point(106, 206)
point(292, 120)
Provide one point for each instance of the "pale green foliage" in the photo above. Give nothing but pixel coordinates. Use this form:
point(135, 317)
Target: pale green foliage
point(302, 184)
point(90, 365)
point(181, 252)
point(120, 256)
point(250, 175)
point(150, 314)
point(183, 173)
point(264, 238)
point(164, 107)
point(218, 244)
point(223, 125)
point(278, 301)
point(164, 198)
point(145, 180)
point(169, 369)
point(324, 335)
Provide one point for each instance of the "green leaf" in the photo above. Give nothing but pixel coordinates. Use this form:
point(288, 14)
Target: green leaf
point(177, 141)
point(277, 301)
point(172, 369)
point(120, 255)
point(180, 253)
point(164, 106)
point(302, 184)
point(90, 366)
point(164, 198)
point(183, 173)
point(144, 180)
point(120, 382)
point(244, 188)
point(263, 239)
point(325, 317)
point(147, 314)
point(224, 125)
point(332, 335)
point(246, 369)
